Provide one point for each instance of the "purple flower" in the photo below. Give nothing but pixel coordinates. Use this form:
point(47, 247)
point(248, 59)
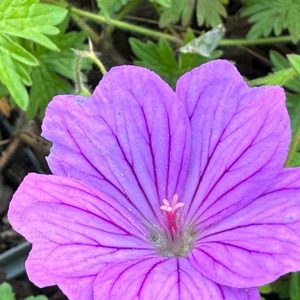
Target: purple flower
point(159, 194)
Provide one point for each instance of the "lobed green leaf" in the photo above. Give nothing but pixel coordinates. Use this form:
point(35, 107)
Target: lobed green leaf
point(31, 20)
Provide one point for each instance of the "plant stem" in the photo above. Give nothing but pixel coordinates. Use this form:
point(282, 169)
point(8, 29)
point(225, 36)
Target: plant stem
point(123, 25)
point(258, 41)
point(87, 28)
point(98, 62)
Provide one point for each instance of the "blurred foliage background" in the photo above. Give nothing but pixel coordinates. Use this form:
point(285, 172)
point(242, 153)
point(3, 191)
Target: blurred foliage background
point(50, 47)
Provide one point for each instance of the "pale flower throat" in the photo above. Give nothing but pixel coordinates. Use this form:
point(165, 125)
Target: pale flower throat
point(172, 239)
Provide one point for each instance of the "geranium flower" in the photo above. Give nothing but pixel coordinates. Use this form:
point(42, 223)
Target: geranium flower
point(159, 194)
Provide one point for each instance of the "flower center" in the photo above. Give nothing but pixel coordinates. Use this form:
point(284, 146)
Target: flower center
point(172, 238)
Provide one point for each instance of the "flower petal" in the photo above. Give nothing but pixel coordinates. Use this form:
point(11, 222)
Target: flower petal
point(160, 279)
point(130, 139)
point(74, 230)
point(85, 245)
point(260, 242)
point(240, 138)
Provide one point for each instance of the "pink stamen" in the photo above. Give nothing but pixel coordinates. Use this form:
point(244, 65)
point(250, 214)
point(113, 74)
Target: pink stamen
point(171, 209)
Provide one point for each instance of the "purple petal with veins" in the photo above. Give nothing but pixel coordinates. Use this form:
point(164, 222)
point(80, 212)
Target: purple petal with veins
point(159, 194)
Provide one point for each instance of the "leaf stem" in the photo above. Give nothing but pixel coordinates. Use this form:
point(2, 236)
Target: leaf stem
point(258, 41)
point(86, 28)
point(123, 25)
point(98, 62)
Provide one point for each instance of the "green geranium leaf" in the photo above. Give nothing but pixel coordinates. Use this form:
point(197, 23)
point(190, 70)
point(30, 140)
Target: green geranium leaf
point(295, 286)
point(164, 3)
point(157, 57)
point(15, 63)
point(56, 69)
point(31, 20)
point(272, 16)
point(294, 59)
point(109, 7)
point(161, 58)
point(39, 297)
point(6, 292)
point(266, 289)
point(210, 12)
point(280, 77)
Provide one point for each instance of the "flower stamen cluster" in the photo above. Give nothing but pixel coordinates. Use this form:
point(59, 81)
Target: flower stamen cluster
point(171, 212)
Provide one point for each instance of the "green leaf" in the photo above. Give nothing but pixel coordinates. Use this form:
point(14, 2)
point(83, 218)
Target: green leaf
point(278, 78)
point(6, 292)
point(280, 62)
point(3, 90)
point(295, 286)
point(210, 13)
point(266, 289)
point(187, 12)
point(45, 85)
point(109, 7)
point(293, 101)
point(52, 76)
point(157, 57)
point(39, 297)
point(293, 104)
point(281, 287)
point(13, 75)
point(294, 59)
point(164, 3)
point(31, 20)
point(272, 16)
point(161, 59)
point(63, 62)
point(172, 14)
point(206, 43)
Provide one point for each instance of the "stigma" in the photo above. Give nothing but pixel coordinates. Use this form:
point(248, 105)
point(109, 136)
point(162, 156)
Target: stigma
point(171, 213)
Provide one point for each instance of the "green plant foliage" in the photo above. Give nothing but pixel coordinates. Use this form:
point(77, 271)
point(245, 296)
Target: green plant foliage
point(294, 286)
point(157, 57)
point(282, 287)
point(55, 71)
point(273, 16)
point(15, 63)
point(40, 297)
point(109, 7)
point(294, 59)
point(161, 58)
point(31, 20)
point(6, 292)
point(293, 103)
point(164, 3)
point(209, 13)
point(280, 78)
